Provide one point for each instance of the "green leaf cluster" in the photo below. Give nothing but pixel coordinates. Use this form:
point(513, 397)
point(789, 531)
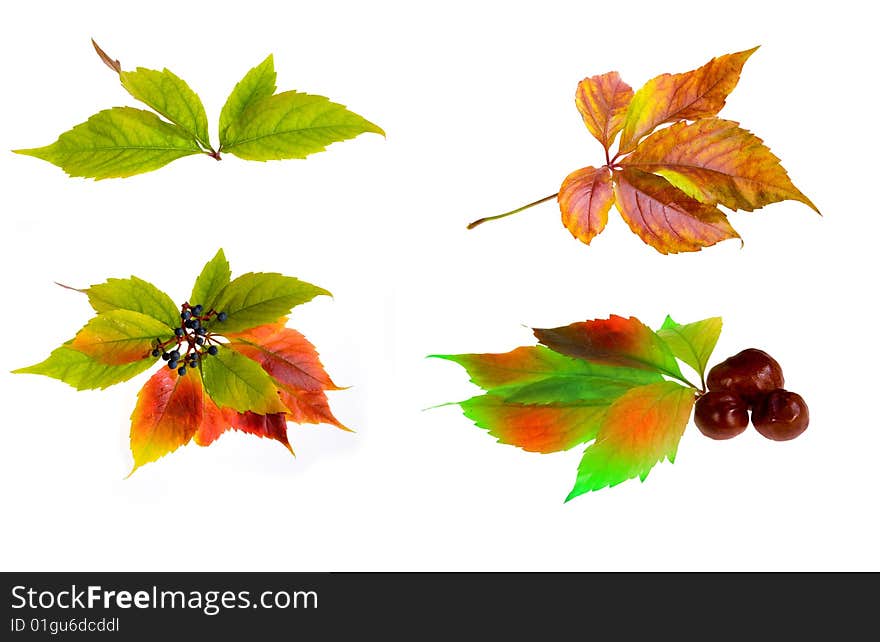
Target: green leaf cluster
point(255, 124)
point(616, 384)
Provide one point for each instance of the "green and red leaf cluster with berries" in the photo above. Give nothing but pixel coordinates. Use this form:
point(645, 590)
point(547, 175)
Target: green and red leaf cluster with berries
point(229, 361)
point(668, 183)
point(255, 124)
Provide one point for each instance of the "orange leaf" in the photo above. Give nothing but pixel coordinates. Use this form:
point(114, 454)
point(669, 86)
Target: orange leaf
point(213, 424)
point(167, 415)
point(716, 161)
point(666, 218)
point(285, 354)
point(585, 197)
point(308, 406)
point(540, 428)
point(602, 101)
point(687, 96)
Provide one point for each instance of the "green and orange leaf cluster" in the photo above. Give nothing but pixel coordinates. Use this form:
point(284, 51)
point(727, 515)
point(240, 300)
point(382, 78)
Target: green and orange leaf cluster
point(613, 383)
point(255, 124)
point(668, 183)
point(263, 374)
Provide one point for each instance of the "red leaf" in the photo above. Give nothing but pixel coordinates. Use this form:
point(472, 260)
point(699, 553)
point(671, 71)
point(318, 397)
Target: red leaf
point(615, 341)
point(272, 426)
point(666, 218)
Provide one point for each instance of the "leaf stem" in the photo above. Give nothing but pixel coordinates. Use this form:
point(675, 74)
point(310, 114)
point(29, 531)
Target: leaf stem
point(107, 60)
point(511, 212)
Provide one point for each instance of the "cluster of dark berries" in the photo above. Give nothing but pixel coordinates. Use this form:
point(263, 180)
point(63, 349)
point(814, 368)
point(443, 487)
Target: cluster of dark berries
point(751, 380)
point(194, 330)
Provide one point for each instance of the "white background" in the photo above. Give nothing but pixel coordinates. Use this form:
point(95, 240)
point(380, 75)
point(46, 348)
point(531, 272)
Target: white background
point(477, 101)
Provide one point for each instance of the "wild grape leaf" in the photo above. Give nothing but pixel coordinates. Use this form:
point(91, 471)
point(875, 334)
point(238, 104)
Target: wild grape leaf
point(667, 184)
point(81, 371)
point(255, 124)
point(602, 380)
point(293, 363)
point(693, 343)
point(687, 96)
point(257, 298)
point(118, 337)
point(616, 341)
point(535, 374)
point(602, 101)
point(213, 278)
point(542, 428)
point(639, 430)
point(133, 294)
point(666, 218)
point(257, 83)
point(233, 365)
point(171, 97)
point(167, 415)
point(272, 426)
point(234, 381)
point(285, 354)
point(585, 198)
point(716, 161)
point(292, 125)
point(115, 143)
point(540, 400)
point(216, 421)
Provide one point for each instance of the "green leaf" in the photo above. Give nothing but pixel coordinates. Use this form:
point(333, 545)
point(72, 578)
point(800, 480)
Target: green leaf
point(118, 337)
point(257, 298)
point(535, 374)
point(81, 371)
point(292, 125)
point(693, 343)
point(134, 294)
point(213, 278)
point(640, 429)
point(234, 381)
point(258, 83)
point(115, 143)
point(170, 96)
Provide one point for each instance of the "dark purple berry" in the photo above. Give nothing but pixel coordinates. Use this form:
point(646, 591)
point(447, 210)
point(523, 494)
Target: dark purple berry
point(200, 340)
point(181, 370)
point(166, 356)
point(197, 310)
point(156, 352)
point(186, 315)
point(212, 350)
point(222, 316)
point(178, 332)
